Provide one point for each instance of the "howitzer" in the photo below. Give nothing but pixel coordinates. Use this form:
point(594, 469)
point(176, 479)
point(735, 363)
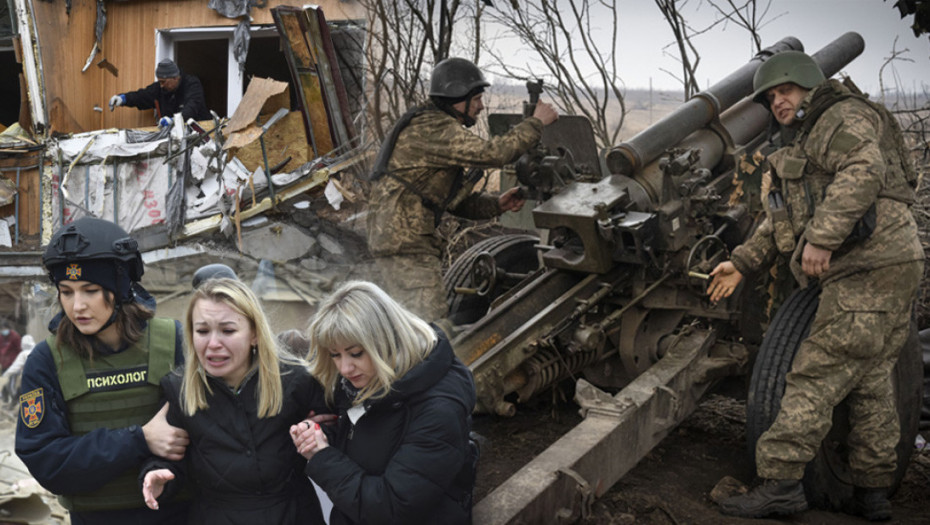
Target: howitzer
point(613, 291)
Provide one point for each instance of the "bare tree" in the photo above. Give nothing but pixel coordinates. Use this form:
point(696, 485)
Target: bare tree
point(405, 39)
point(688, 56)
point(577, 62)
point(747, 15)
point(896, 56)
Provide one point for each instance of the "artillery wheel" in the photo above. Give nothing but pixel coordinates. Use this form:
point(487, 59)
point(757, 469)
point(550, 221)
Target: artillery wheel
point(511, 253)
point(703, 257)
point(827, 478)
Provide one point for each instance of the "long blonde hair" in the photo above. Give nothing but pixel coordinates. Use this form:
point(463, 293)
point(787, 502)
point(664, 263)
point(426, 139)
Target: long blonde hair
point(194, 387)
point(359, 312)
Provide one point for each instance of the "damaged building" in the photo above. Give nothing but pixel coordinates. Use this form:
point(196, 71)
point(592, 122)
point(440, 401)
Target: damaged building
point(260, 187)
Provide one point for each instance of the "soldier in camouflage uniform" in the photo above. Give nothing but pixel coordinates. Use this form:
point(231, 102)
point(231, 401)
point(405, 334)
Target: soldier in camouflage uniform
point(419, 175)
point(840, 206)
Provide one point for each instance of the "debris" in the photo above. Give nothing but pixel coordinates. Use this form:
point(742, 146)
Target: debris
point(333, 195)
point(258, 92)
point(727, 487)
point(5, 239)
point(7, 191)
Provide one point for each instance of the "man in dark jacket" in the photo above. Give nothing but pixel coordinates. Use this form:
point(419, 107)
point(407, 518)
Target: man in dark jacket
point(172, 93)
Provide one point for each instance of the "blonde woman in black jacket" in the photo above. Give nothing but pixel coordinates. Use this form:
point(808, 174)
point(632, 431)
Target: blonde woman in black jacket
point(237, 398)
point(400, 451)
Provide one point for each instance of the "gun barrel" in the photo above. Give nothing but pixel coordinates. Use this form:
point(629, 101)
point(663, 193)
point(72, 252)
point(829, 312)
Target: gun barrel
point(705, 107)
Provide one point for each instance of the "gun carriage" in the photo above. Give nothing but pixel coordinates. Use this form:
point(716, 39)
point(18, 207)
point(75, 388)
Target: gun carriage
point(612, 291)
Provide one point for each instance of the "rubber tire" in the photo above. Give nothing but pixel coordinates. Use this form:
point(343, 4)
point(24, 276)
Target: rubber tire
point(515, 253)
point(826, 478)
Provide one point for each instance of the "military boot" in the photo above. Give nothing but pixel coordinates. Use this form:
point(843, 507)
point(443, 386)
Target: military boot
point(871, 503)
point(773, 497)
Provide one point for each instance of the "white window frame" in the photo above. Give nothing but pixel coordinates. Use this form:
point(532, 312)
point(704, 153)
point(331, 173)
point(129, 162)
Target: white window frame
point(165, 40)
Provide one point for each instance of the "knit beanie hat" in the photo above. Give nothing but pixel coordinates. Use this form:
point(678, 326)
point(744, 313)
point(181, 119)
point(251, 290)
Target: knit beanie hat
point(110, 274)
point(167, 69)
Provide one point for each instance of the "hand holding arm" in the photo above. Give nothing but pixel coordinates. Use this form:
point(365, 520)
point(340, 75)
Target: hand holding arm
point(163, 439)
point(154, 485)
point(308, 438)
point(725, 280)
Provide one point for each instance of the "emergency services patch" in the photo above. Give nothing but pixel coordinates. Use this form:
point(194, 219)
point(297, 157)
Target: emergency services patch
point(73, 271)
point(33, 407)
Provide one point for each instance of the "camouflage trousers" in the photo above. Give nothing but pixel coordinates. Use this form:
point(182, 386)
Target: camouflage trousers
point(860, 325)
point(415, 281)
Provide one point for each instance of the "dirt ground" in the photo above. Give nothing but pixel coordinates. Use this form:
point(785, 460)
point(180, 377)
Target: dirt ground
point(672, 484)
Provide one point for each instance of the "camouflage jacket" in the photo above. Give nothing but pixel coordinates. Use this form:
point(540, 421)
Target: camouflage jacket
point(830, 176)
point(428, 156)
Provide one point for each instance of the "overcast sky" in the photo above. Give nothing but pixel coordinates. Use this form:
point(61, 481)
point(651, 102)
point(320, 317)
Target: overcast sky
point(643, 33)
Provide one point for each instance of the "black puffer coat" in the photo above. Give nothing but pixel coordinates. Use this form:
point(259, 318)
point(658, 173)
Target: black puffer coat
point(401, 461)
point(243, 470)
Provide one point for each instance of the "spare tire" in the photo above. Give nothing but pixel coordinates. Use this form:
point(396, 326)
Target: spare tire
point(827, 479)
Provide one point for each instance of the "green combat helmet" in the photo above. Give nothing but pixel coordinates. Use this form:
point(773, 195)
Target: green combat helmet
point(456, 78)
point(787, 66)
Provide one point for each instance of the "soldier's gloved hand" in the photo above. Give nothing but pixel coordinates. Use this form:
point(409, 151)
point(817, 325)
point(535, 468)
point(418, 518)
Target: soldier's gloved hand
point(117, 100)
point(165, 122)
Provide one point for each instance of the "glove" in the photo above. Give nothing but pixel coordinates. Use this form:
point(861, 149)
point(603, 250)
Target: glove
point(117, 100)
point(165, 122)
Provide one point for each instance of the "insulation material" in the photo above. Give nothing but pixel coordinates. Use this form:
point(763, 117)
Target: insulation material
point(136, 200)
point(5, 239)
point(97, 147)
point(285, 140)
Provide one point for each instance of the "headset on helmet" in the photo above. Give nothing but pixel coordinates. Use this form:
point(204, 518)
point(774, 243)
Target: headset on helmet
point(91, 240)
point(788, 66)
